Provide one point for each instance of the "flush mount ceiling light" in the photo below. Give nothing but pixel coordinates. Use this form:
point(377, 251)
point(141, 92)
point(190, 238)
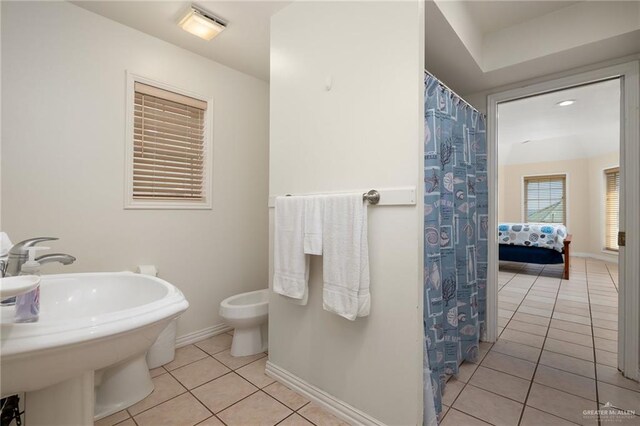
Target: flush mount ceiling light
point(202, 24)
point(566, 102)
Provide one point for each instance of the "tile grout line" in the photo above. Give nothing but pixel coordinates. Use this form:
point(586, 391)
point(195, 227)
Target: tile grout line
point(593, 340)
point(296, 412)
point(545, 365)
point(467, 383)
point(154, 406)
point(561, 340)
point(189, 391)
point(510, 279)
point(185, 390)
point(451, 407)
point(258, 389)
point(467, 414)
point(612, 280)
point(543, 349)
point(494, 393)
point(232, 370)
point(535, 369)
point(521, 302)
point(559, 290)
point(231, 405)
point(197, 399)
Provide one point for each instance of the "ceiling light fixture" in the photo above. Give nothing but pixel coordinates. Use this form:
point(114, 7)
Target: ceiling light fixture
point(202, 24)
point(566, 102)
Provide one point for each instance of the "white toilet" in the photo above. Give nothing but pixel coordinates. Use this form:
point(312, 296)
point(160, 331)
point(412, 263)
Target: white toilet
point(247, 313)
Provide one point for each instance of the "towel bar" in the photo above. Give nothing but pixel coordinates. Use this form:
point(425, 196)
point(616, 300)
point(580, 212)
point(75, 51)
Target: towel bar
point(373, 196)
point(400, 196)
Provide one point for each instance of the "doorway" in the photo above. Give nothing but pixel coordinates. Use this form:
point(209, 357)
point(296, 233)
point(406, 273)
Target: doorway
point(550, 195)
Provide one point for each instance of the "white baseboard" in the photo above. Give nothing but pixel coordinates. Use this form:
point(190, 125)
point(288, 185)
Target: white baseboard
point(602, 256)
point(205, 333)
point(337, 407)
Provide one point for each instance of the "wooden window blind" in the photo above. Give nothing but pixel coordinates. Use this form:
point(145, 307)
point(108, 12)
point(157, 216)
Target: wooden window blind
point(612, 208)
point(545, 199)
point(168, 145)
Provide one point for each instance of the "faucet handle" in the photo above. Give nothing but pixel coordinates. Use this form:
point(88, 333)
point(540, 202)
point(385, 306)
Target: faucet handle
point(22, 247)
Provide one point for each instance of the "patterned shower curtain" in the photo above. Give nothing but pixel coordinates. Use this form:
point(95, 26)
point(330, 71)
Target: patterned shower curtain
point(455, 233)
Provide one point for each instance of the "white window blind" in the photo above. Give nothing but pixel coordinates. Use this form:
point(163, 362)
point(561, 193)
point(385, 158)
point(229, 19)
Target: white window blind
point(612, 207)
point(168, 145)
point(545, 199)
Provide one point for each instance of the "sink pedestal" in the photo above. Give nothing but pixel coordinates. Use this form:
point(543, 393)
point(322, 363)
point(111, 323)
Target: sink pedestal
point(122, 385)
point(67, 403)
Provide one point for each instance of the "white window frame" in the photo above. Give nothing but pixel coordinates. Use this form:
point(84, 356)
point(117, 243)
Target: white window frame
point(523, 195)
point(129, 201)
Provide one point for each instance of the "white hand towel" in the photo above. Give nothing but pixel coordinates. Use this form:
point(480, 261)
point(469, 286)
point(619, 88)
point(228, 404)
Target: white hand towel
point(313, 217)
point(345, 256)
point(290, 264)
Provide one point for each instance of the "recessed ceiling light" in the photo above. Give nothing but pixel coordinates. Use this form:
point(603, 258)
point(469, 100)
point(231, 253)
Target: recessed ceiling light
point(566, 102)
point(202, 24)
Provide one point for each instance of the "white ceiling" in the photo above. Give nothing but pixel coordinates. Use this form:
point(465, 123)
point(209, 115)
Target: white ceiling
point(588, 128)
point(244, 45)
point(474, 46)
point(492, 16)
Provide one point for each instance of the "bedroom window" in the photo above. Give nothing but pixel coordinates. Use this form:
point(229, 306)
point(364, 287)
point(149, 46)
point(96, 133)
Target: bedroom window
point(545, 199)
point(168, 146)
point(612, 204)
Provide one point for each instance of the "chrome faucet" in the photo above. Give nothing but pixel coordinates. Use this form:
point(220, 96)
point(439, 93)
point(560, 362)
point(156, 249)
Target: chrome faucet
point(19, 254)
point(65, 259)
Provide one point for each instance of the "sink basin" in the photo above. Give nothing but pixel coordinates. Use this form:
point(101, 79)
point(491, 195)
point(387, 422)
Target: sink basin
point(88, 322)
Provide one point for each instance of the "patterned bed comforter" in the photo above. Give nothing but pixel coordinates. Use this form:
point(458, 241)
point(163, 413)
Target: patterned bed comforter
point(547, 235)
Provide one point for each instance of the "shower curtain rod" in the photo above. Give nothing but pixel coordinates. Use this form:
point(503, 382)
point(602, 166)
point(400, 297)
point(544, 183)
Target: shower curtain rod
point(452, 91)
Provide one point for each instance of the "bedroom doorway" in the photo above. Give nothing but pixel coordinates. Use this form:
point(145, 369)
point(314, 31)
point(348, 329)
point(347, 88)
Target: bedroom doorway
point(558, 193)
point(558, 202)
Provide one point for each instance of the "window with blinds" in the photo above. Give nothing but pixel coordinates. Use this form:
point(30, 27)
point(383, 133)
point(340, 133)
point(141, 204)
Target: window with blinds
point(612, 208)
point(545, 199)
point(169, 147)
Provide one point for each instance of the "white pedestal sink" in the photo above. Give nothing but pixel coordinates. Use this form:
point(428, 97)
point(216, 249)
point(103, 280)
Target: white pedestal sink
point(89, 345)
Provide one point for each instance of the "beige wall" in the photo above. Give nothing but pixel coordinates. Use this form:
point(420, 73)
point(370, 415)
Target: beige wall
point(63, 104)
point(585, 196)
point(364, 133)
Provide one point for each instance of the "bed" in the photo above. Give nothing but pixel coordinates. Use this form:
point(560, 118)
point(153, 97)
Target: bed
point(541, 243)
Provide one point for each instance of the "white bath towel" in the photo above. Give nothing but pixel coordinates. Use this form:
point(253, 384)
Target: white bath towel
point(313, 218)
point(345, 256)
point(290, 264)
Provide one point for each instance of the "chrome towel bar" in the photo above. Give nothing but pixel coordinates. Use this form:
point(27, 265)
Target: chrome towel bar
point(373, 196)
point(394, 196)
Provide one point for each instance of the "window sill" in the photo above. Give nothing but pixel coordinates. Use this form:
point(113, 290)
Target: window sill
point(167, 205)
point(611, 252)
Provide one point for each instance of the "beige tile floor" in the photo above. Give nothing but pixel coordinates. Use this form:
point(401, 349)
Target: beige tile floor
point(555, 358)
point(556, 354)
point(204, 385)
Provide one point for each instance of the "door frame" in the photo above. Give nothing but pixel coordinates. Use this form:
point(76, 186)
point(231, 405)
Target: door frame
point(629, 271)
